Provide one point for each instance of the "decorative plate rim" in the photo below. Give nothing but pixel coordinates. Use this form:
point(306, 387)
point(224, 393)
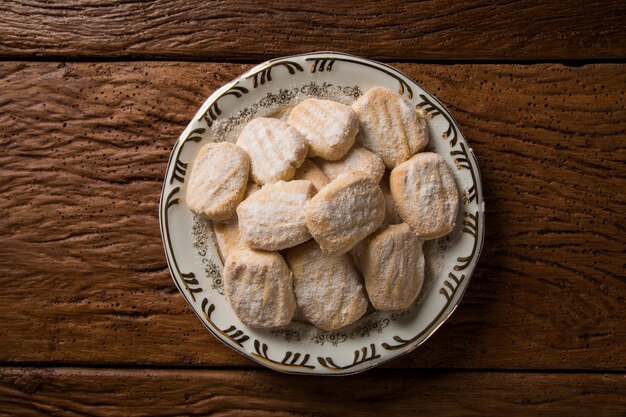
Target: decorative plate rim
point(436, 323)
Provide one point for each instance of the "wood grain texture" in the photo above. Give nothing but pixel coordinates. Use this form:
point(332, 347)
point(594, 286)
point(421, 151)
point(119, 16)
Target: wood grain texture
point(243, 30)
point(83, 275)
point(110, 392)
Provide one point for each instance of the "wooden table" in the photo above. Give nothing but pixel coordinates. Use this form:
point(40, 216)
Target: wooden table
point(92, 98)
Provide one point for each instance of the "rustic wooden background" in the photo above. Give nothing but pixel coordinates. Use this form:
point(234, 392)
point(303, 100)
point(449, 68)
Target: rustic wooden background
point(94, 94)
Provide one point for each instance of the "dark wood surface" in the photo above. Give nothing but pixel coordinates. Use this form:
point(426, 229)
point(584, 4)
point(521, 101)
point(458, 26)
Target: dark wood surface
point(90, 321)
point(85, 280)
point(243, 30)
point(127, 393)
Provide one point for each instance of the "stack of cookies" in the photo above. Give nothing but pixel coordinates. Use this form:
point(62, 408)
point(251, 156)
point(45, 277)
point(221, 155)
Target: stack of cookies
point(325, 213)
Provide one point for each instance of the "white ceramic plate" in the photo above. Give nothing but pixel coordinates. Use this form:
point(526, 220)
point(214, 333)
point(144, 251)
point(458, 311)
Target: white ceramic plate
point(195, 263)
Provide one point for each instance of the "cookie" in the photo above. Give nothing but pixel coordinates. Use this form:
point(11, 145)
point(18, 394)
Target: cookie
point(310, 171)
point(227, 232)
point(391, 212)
point(345, 211)
point(425, 195)
point(259, 288)
point(251, 188)
point(328, 127)
point(356, 252)
point(393, 267)
point(357, 159)
point(273, 217)
point(217, 181)
point(391, 217)
point(389, 126)
point(276, 149)
point(227, 236)
point(329, 291)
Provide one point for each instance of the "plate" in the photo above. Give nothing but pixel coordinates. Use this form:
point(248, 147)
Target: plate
point(194, 261)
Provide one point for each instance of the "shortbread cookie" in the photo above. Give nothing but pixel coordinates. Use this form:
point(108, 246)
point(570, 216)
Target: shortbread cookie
point(391, 212)
point(393, 267)
point(227, 236)
point(251, 188)
point(357, 159)
point(259, 288)
point(345, 211)
point(391, 217)
point(227, 232)
point(311, 172)
point(276, 149)
point(425, 195)
point(356, 253)
point(329, 127)
point(273, 217)
point(389, 126)
point(217, 181)
point(329, 291)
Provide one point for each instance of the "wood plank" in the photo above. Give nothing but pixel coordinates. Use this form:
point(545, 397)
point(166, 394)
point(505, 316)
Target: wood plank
point(110, 392)
point(83, 276)
point(240, 30)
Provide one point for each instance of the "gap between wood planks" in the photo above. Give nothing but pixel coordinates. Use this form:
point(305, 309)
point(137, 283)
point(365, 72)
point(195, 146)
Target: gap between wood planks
point(76, 365)
point(567, 62)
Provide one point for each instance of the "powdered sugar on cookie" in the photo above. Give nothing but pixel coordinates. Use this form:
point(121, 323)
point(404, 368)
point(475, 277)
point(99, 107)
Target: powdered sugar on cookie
point(345, 211)
point(358, 159)
point(328, 289)
point(276, 149)
point(273, 218)
point(425, 195)
point(218, 180)
point(389, 126)
point(329, 127)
